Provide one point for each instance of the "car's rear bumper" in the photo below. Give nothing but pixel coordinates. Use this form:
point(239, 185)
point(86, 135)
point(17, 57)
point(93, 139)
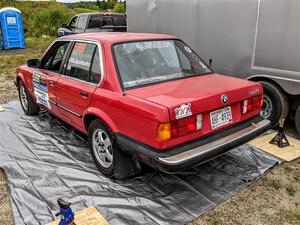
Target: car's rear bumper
point(198, 151)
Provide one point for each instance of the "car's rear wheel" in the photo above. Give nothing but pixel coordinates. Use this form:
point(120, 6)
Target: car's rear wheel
point(28, 105)
point(275, 103)
point(102, 146)
point(297, 120)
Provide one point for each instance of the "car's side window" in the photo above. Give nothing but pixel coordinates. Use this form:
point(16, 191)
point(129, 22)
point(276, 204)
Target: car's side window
point(54, 58)
point(79, 63)
point(81, 22)
point(96, 68)
point(72, 24)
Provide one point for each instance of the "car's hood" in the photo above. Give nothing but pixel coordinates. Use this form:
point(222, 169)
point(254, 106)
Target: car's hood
point(203, 92)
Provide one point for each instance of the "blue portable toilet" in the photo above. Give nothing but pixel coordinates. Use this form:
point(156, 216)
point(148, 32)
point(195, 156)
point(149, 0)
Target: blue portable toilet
point(12, 28)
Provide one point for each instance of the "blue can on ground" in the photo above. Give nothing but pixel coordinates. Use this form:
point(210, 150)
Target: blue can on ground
point(12, 28)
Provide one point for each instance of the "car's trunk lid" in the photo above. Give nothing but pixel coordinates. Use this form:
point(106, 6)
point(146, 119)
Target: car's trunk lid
point(203, 93)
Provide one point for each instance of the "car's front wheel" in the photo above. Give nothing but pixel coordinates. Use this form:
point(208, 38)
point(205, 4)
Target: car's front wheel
point(102, 146)
point(28, 105)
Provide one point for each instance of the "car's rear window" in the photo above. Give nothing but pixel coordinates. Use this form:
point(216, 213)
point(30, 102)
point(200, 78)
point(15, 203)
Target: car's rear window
point(147, 62)
point(101, 21)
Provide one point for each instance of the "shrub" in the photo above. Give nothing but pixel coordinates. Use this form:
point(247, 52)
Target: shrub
point(119, 8)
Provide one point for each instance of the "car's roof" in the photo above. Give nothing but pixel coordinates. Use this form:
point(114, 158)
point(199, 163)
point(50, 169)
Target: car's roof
point(116, 37)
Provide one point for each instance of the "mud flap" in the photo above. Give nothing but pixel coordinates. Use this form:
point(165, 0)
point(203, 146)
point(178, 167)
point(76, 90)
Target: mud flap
point(125, 165)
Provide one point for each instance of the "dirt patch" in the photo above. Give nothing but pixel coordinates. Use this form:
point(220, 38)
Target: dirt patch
point(6, 216)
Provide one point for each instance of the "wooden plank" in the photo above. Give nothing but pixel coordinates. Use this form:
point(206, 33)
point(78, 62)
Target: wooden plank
point(1, 109)
point(88, 216)
point(288, 154)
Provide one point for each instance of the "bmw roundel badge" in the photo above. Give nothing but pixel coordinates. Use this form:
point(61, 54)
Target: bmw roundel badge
point(224, 98)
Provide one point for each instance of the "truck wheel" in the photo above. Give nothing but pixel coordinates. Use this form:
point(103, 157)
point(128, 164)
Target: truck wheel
point(297, 120)
point(275, 104)
point(102, 146)
point(29, 107)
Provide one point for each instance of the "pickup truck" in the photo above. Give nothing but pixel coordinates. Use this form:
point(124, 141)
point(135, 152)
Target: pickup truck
point(94, 22)
point(149, 96)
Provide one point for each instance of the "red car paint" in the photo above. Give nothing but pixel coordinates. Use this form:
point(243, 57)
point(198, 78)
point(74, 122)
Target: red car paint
point(138, 112)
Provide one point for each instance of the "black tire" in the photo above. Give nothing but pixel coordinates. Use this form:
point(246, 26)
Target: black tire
point(95, 125)
point(297, 120)
point(32, 108)
point(279, 100)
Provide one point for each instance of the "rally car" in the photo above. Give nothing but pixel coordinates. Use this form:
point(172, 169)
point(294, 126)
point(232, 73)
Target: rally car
point(147, 96)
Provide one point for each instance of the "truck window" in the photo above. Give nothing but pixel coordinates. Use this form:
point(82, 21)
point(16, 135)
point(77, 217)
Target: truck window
point(79, 62)
point(81, 22)
point(95, 21)
point(72, 24)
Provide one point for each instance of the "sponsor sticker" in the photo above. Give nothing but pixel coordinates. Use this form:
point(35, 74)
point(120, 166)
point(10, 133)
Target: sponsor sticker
point(183, 111)
point(41, 89)
point(187, 49)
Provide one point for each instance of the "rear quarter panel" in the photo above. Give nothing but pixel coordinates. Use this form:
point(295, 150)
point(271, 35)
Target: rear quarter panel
point(130, 116)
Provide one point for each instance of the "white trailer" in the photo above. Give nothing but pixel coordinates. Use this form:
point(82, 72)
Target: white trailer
point(252, 39)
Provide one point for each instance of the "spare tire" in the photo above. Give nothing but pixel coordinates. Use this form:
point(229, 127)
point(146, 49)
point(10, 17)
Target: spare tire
point(275, 104)
point(297, 119)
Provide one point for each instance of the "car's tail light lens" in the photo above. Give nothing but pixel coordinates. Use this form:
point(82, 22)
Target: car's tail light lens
point(177, 128)
point(164, 131)
point(251, 104)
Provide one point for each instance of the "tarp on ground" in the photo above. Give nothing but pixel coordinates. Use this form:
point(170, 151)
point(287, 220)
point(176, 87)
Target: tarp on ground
point(44, 159)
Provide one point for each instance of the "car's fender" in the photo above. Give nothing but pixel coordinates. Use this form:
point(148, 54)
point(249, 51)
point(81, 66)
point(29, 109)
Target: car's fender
point(96, 112)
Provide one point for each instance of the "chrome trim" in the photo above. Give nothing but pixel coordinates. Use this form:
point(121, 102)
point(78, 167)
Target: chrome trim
point(54, 103)
point(211, 146)
point(68, 110)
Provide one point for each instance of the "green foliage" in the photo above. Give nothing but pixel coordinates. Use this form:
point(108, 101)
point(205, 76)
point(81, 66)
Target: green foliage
point(291, 190)
point(119, 8)
point(84, 10)
point(102, 5)
point(274, 183)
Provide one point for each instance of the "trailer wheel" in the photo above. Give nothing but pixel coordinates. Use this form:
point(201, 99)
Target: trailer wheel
point(275, 105)
point(297, 120)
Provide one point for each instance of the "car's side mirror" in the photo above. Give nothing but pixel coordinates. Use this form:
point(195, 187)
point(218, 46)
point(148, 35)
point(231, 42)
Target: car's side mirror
point(34, 63)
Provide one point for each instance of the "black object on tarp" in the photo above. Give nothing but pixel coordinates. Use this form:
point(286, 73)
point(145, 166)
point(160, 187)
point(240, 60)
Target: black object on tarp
point(44, 159)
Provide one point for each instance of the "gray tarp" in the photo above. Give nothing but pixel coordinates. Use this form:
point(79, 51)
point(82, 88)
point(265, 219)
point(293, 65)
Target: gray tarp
point(44, 159)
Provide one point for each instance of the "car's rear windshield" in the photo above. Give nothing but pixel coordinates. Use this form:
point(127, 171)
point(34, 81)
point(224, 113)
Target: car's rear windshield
point(146, 62)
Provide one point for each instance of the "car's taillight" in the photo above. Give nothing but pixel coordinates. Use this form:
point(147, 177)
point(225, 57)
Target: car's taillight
point(177, 128)
point(251, 104)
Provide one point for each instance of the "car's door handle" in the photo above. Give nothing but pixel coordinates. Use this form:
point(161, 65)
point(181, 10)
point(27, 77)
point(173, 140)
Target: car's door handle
point(84, 94)
point(51, 82)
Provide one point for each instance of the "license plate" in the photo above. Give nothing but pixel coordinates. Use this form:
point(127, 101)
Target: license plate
point(220, 117)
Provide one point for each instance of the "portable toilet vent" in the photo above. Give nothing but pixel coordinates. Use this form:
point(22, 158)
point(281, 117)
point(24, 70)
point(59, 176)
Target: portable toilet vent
point(12, 28)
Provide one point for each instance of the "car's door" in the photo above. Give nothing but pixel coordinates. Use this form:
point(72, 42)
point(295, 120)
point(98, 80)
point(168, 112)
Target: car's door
point(82, 73)
point(45, 77)
point(81, 24)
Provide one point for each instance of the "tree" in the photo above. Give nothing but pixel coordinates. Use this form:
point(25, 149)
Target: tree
point(119, 8)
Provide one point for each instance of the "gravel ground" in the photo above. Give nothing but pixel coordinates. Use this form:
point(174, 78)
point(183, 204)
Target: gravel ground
point(272, 200)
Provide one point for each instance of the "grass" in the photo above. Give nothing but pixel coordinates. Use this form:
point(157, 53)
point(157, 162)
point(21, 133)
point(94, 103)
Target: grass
point(274, 183)
point(11, 59)
point(291, 190)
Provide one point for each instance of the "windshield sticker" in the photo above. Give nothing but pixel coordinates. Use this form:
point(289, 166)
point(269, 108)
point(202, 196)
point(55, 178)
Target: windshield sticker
point(187, 49)
point(144, 81)
point(183, 111)
point(80, 48)
point(41, 89)
point(153, 45)
point(79, 62)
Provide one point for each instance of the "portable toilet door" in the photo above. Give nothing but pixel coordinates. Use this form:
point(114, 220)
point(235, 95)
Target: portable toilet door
point(12, 28)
